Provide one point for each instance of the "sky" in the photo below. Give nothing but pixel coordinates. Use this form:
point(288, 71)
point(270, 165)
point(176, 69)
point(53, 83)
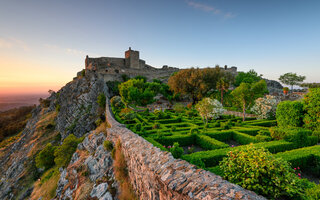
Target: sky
point(43, 43)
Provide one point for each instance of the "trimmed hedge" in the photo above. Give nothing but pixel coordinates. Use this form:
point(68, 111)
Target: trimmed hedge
point(243, 138)
point(209, 143)
point(213, 157)
point(249, 131)
point(156, 144)
point(289, 114)
point(220, 135)
point(183, 140)
point(265, 123)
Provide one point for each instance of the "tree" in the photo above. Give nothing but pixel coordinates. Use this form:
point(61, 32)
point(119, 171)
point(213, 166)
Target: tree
point(45, 158)
point(102, 100)
point(311, 103)
point(247, 77)
point(64, 152)
point(196, 82)
point(265, 107)
point(222, 86)
point(291, 79)
point(247, 93)
point(209, 108)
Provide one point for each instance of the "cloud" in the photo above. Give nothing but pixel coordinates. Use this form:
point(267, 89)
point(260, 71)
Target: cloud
point(13, 43)
point(69, 51)
point(211, 9)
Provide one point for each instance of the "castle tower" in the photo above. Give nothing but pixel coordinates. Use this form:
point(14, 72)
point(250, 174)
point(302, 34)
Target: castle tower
point(132, 59)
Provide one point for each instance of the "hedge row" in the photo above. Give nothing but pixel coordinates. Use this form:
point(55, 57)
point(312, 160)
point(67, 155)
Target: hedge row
point(243, 138)
point(183, 140)
point(249, 131)
point(156, 144)
point(213, 157)
point(265, 123)
point(220, 135)
point(209, 143)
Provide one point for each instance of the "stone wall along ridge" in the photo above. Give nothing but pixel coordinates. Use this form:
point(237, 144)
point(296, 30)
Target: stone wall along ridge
point(155, 174)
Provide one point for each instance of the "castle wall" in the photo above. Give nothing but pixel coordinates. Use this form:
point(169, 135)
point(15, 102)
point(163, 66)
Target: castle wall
point(155, 174)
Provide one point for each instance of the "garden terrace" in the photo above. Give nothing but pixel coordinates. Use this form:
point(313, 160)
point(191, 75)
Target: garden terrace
point(205, 145)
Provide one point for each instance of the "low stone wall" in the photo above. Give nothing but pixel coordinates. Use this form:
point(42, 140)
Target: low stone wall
point(155, 174)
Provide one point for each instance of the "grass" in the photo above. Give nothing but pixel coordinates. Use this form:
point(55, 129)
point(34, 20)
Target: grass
point(121, 174)
point(47, 185)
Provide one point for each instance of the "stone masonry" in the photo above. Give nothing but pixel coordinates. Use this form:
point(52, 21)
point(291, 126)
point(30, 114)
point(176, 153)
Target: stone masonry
point(155, 174)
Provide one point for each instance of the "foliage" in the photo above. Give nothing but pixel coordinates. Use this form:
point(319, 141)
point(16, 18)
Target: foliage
point(311, 103)
point(178, 107)
point(116, 102)
point(247, 77)
point(313, 193)
point(113, 87)
point(64, 152)
point(209, 143)
point(176, 151)
point(290, 114)
point(108, 145)
point(291, 79)
point(45, 158)
point(209, 108)
point(222, 86)
point(247, 93)
point(13, 121)
point(83, 72)
point(258, 170)
point(136, 91)
point(125, 77)
point(102, 100)
point(310, 85)
point(196, 82)
point(265, 108)
point(141, 78)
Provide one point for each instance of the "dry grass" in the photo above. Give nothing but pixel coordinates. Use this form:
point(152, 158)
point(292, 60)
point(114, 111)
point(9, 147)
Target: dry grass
point(47, 189)
point(121, 174)
point(101, 128)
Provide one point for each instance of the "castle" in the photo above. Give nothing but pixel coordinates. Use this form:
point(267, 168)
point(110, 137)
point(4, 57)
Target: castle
point(112, 69)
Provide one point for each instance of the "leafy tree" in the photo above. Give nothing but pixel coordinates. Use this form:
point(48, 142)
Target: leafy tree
point(102, 100)
point(141, 77)
point(247, 93)
point(222, 86)
point(258, 170)
point(291, 79)
point(310, 85)
point(209, 108)
point(136, 91)
point(45, 158)
point(196, 82)
point(64, 152)
point(247, 77)
point(311, 103)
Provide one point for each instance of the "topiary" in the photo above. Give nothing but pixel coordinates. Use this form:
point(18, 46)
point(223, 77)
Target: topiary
point(258, 170)
point(176, 151)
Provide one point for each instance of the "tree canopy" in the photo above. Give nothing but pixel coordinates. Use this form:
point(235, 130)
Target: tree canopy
point(291, 79)
point(246, 94)
point(247, 77)
point(197, 82)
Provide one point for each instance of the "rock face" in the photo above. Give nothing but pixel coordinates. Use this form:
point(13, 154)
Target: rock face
point(78, 105)
point(90, 172)
point(274, 86)
point(155, 174)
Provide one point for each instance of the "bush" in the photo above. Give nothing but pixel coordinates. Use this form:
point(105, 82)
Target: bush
point(138, 126)
point(64, 152)
point(243, 138)
point(116, 102)
point(178, 107)
point(198, 162)
point(313, 193)
point(290, 114)
point(176, 151)
point(278, 133)
point(45, 158)
point(194, 131)
point(156, 126)
point(209, 143)
point(101, 100)
point(108, 145)
point(258, 170)
point(311, 103)
point(173, 128)
point(183, 140)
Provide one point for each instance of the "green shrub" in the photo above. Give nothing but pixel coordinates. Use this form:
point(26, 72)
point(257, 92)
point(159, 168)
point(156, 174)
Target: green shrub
point(243, 138)
point(116, 102)
point(176, 151)
point(101, 100)
point(178, 107)
point(156, 144)
point(278, 133)
point(173, 128)
point(258, 170)
point(194, 131)
point(98, 122)
point(221, 135)
point(209, 143)
point(64, 152)
point(138, 127)
point(290, 114)
point(263, 138)
point(313, 193)
point(108, 145)
point(198, 162)
point(316, 134)
point(45, 158)
point(216, 170)
point(311, 103)
point(156, 126)
point(183, 140)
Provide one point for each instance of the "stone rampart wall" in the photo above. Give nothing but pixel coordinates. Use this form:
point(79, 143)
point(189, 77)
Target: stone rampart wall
point(155, 174)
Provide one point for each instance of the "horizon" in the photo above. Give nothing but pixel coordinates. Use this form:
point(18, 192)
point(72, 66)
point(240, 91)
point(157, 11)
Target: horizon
point(43, 44)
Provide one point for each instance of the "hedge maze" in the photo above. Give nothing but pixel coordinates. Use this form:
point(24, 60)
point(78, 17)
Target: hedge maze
point(206, 145)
